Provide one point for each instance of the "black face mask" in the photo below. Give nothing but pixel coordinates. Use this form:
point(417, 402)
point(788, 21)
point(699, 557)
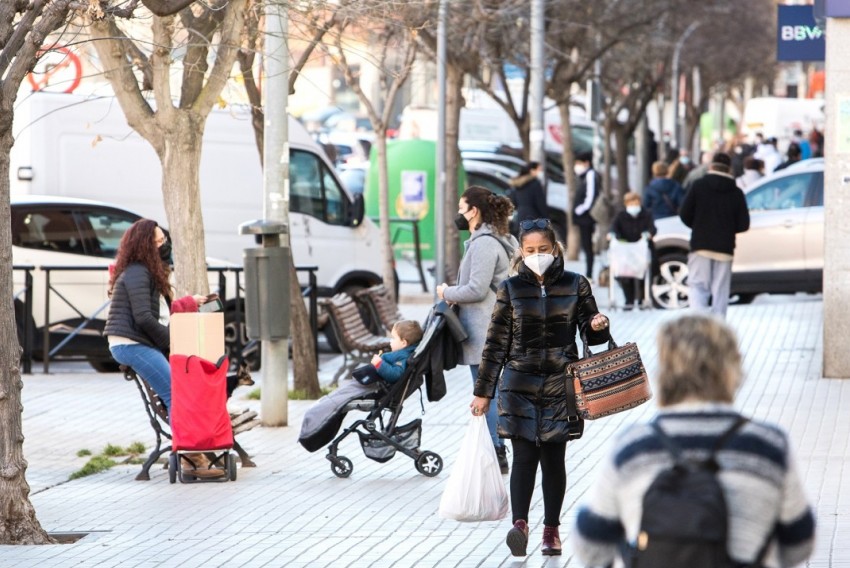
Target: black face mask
point(461, 222)
point(165, 252)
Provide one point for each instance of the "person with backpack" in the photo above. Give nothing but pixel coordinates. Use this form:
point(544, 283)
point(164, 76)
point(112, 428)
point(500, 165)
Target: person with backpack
point(663, 196)
point(700, 486)
point(486, 259)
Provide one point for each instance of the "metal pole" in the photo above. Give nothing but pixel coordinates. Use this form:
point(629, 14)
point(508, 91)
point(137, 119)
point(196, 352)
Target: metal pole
point(674, 86)
point(536, 134)
point(275, 353)
point(440, 189)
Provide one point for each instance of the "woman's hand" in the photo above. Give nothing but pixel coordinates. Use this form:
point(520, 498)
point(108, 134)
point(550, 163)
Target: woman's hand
point(479, 405)
point(440, 290)
point(200, 299)
point(599, 322)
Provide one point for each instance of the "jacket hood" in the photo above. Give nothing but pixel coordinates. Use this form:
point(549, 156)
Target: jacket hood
point(723, 183)
point(664, 185)
point(519, 181)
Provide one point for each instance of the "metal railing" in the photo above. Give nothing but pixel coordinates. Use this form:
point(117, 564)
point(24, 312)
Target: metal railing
point(48, 354)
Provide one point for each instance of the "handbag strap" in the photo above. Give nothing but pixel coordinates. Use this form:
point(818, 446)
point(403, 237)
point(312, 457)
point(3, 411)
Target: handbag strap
point(587, 354)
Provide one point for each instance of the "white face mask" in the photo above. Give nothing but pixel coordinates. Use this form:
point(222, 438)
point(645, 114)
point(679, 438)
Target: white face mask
point(633, 210)
point(579, 169)
point(539, 263)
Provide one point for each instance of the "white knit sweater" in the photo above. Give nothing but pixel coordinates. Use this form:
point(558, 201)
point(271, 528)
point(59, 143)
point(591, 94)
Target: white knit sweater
point(763, 491)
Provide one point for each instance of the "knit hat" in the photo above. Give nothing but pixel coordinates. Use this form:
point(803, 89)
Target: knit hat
point(722, 159)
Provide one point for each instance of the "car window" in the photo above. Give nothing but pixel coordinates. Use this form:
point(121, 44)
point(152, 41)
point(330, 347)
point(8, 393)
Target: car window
point(816, 197)
point(486, 181)
point(305, 184)
point(103, 229)
point(46, 229)
point(334, 197)
point(787, 192)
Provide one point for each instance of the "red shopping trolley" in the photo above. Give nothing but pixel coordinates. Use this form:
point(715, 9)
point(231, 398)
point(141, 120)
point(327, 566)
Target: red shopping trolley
point(200, 422)
point(629, 260)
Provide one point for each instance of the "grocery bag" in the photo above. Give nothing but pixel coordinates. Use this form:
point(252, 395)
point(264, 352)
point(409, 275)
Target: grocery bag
point(475, 490)
point(628, 260)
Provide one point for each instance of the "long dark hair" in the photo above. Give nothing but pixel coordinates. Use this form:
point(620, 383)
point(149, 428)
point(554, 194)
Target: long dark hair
point(496, 211)
point(137, 245)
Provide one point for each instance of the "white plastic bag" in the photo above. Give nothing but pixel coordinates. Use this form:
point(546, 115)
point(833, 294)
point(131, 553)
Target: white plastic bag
point(475, 490)
point(628, 260)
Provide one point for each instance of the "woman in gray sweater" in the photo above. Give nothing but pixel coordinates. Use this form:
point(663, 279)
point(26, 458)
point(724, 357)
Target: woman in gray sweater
point(767, 513)
point(484, 265)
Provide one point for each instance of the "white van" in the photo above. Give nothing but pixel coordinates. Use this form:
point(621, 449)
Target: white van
point(779, 117)
point(73, 146)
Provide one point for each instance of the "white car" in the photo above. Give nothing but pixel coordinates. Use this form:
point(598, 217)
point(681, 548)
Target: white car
point(781, 253)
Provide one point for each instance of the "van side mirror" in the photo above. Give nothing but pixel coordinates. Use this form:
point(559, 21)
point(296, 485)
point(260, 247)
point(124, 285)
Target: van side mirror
point(357, 210)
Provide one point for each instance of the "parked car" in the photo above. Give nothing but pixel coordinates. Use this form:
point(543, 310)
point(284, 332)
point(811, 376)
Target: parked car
point(781, 253)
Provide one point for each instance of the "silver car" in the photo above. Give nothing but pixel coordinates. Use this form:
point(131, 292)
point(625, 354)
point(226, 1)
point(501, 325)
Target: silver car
point(781, 253)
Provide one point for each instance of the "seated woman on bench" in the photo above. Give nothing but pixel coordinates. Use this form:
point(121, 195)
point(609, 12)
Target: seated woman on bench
point(137, 325)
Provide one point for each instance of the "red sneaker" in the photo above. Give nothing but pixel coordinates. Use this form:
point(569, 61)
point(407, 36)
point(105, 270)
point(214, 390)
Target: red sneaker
point(517, 539)
point(551, 542)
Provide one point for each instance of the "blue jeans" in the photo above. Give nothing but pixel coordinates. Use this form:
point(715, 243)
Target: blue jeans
point(492, 412)
point(150, 364)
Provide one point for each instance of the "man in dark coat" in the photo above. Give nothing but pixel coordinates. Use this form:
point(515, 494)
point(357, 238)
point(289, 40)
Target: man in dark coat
point(715, 209)
point(589, 188)
point(528, 196)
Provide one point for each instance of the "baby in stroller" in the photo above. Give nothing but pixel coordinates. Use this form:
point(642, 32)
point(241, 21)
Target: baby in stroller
point(418, 357)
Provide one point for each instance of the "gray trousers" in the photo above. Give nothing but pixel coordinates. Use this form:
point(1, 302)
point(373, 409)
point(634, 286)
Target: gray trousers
point(709, 279)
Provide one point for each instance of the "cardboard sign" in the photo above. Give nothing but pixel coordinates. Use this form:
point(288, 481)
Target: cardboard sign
point(200, 334)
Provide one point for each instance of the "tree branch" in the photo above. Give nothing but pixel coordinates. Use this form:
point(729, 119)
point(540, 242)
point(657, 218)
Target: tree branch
point(230, 32)
point(163, 8)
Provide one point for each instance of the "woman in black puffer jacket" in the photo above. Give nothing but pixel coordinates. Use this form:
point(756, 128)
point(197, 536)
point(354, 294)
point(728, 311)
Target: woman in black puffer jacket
point(530, 342)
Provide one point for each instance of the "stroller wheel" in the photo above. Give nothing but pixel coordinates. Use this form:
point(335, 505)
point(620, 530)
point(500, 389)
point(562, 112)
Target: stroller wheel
point(341, 466)
point(172, 467)
point(429, 464)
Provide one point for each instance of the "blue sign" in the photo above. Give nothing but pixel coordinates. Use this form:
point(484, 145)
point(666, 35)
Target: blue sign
point(798, 37)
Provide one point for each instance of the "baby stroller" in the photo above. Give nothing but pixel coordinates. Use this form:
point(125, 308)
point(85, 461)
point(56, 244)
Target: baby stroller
point(629, 260)
point(200, 422)
point(380, 435)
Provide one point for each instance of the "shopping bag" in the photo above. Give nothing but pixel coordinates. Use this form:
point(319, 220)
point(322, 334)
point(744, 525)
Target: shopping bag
point(628, 260)
point(475, 490)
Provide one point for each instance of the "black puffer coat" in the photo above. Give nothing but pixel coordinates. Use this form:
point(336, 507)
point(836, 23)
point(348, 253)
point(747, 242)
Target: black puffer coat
point(531, 339)
point(134, 312)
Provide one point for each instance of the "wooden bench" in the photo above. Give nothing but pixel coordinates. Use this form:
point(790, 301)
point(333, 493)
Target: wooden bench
point(357, 342)
point(158, 415)
point(380, 306)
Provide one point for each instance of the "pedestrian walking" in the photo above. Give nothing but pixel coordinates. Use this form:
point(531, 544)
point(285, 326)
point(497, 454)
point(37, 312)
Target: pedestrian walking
point(589, 188)
point(752, 172)
point(794, 154)
point(484, 265)
point(527, 195)
point(530, 341)
point(768, 521)
point(632, 224)
point(715, 210)
point(663, 196)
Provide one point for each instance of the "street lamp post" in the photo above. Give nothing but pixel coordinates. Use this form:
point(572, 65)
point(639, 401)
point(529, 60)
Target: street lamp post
point(674, 86)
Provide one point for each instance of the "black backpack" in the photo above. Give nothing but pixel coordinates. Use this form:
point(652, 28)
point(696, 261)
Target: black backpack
point(685, 520)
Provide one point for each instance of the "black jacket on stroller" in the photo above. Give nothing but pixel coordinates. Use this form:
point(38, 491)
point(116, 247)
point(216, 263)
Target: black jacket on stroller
point(438, 351)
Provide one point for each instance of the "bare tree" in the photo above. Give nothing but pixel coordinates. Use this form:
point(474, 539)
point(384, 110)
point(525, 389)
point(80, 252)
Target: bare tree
point(381, 34)
point(174, 123)
point(24, 25)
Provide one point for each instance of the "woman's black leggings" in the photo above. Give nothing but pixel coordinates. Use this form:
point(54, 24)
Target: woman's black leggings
point(551, 459)
point(586, 236)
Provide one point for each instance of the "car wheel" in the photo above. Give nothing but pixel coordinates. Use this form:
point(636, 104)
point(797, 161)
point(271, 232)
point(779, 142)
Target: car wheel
point(670, 286)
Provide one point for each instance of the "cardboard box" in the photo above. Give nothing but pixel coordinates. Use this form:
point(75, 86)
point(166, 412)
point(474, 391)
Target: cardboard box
point(199, 334)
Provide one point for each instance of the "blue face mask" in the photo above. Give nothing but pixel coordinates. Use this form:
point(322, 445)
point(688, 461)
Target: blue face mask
point(633, 210)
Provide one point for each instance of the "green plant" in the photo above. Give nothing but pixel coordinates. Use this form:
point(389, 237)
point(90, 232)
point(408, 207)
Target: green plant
point(83, 453)
point(254, 394)
point(136, 448)
point(298, 394)
point(94, 465)
point(113, 451)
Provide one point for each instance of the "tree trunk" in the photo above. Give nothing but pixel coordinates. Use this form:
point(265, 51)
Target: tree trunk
point(181, 193)
point(622, 156)
point(18, 523)
point(569, 160)
point(454, 102)
point(305, 370)
point(384, 211)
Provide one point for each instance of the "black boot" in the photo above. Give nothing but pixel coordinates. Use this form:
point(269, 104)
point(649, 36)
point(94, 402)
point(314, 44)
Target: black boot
point(502, 456)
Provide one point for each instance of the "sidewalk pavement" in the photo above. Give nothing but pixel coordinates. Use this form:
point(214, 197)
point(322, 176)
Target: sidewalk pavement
point(291, 511)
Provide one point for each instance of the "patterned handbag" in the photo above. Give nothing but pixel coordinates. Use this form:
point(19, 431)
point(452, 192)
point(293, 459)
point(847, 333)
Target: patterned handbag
point(608, 382)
